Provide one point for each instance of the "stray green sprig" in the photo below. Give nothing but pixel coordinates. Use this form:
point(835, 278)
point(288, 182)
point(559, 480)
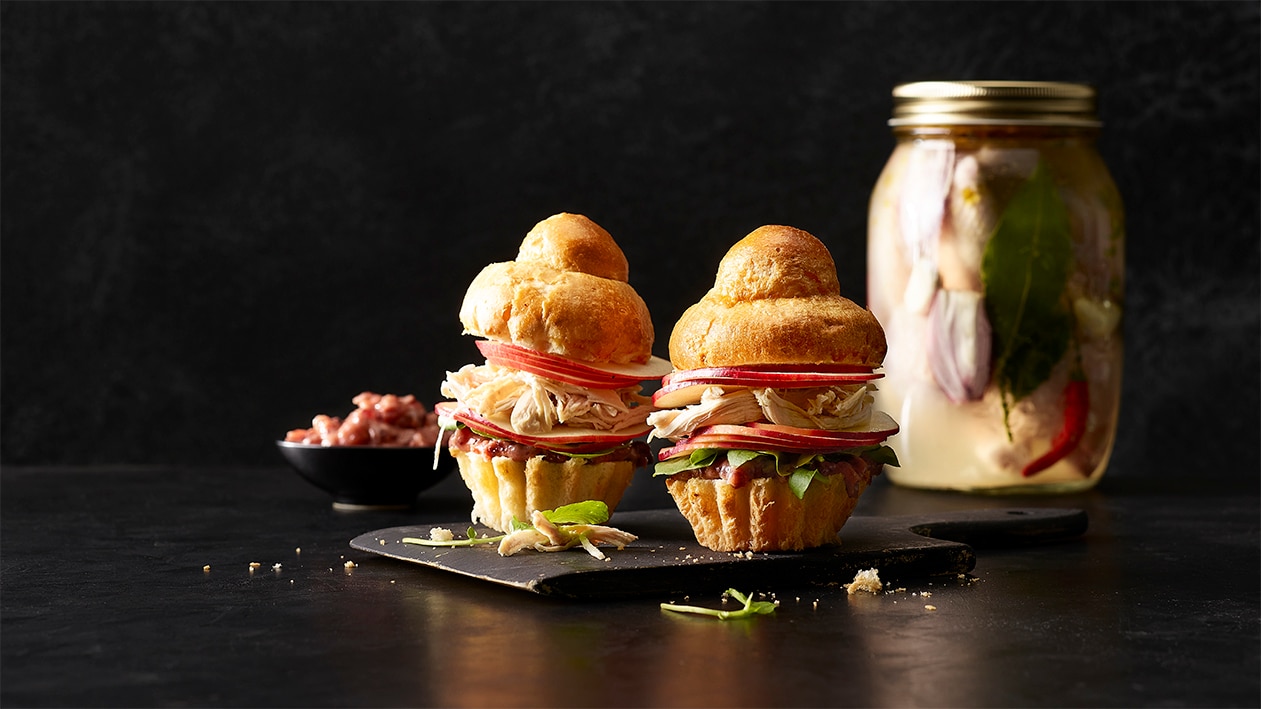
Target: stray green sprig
point(472, 540)
point(750, 607)
point(567, 526)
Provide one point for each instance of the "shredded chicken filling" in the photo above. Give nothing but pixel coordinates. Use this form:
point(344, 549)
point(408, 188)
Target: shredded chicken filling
point(545, 536)
point(828, 408)
point(531, 404)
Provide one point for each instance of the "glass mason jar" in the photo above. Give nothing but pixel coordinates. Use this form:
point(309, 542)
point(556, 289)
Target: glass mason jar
point(996, 264)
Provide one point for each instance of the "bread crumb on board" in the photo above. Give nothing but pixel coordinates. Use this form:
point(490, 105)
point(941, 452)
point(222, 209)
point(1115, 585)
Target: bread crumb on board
point(865, 580)
point(441, 534)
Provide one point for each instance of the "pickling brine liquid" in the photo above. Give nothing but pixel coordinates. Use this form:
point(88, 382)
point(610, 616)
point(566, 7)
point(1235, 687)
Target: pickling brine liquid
point(996, 267)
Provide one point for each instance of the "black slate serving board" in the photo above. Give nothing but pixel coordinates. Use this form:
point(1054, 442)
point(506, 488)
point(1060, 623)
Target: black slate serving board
point(667, 560)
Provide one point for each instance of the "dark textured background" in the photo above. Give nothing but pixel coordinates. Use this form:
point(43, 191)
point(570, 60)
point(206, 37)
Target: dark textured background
point(219, 219)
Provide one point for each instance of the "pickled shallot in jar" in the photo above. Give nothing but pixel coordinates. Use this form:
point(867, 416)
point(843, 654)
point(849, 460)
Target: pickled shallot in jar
point(996, 267)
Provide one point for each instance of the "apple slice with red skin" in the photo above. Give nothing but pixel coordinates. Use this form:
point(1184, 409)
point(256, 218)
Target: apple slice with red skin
point(680, 449)
point(678, 395)
point(563, 439)
point(589, 374)
point(781, 379)
point(826, 367)
point(774, 437)
point(684, 387)
point(753, 443)
point(879, 427)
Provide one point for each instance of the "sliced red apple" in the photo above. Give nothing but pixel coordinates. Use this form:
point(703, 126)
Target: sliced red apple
point(788, 436)
point(589, 374)
point(803, 367)
point(880, 426)
point(678, 395)
point(680, 449)
point(781, 379)
point(684, 387)
point(728, 441)
point(560, 438)
point(773, 437)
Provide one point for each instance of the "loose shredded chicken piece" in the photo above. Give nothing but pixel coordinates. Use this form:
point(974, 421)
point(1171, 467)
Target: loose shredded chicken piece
point(521, 539)
point(545, 526)
point(828, 408)
point(533, 404)
point(545, 536)
point(601, 534)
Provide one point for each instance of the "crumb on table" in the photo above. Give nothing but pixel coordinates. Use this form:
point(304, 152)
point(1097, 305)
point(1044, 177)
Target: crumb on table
point(865, 580)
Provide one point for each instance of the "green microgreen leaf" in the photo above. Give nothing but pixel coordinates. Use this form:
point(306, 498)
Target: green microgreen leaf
point(568, 518)
point(738, 457)
point(800, 480)
point(883, 455)
point(701, 458)
point(588, 512)
point(750, 607)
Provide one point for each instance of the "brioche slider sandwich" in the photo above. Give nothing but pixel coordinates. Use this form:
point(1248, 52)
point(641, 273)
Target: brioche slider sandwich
point(769, 404)
point(555, 415)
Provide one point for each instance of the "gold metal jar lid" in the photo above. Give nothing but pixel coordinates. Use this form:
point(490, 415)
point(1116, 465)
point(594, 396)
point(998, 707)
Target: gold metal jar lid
point(1042, 103)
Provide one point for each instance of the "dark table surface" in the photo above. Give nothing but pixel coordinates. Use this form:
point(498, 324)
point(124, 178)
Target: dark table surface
point(106, 603)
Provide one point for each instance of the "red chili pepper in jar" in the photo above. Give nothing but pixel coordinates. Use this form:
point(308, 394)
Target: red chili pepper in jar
point(1076, 408)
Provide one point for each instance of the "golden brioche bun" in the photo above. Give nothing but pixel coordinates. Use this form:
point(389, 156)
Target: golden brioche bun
point(776, 300)
point(504, 488)
point(763, 514)
point(566, 293)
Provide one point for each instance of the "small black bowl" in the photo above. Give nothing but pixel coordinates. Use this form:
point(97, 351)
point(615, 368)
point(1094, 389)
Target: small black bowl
point(361, 477)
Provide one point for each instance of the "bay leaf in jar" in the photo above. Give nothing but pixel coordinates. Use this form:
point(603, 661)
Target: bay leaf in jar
point(1024, 270)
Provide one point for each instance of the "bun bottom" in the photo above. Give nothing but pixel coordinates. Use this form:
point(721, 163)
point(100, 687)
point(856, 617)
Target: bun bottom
point(504, 488)
point(764, 514)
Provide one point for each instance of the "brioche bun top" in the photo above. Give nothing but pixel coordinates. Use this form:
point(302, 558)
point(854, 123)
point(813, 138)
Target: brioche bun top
point(566, 293)
point(776, 300)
